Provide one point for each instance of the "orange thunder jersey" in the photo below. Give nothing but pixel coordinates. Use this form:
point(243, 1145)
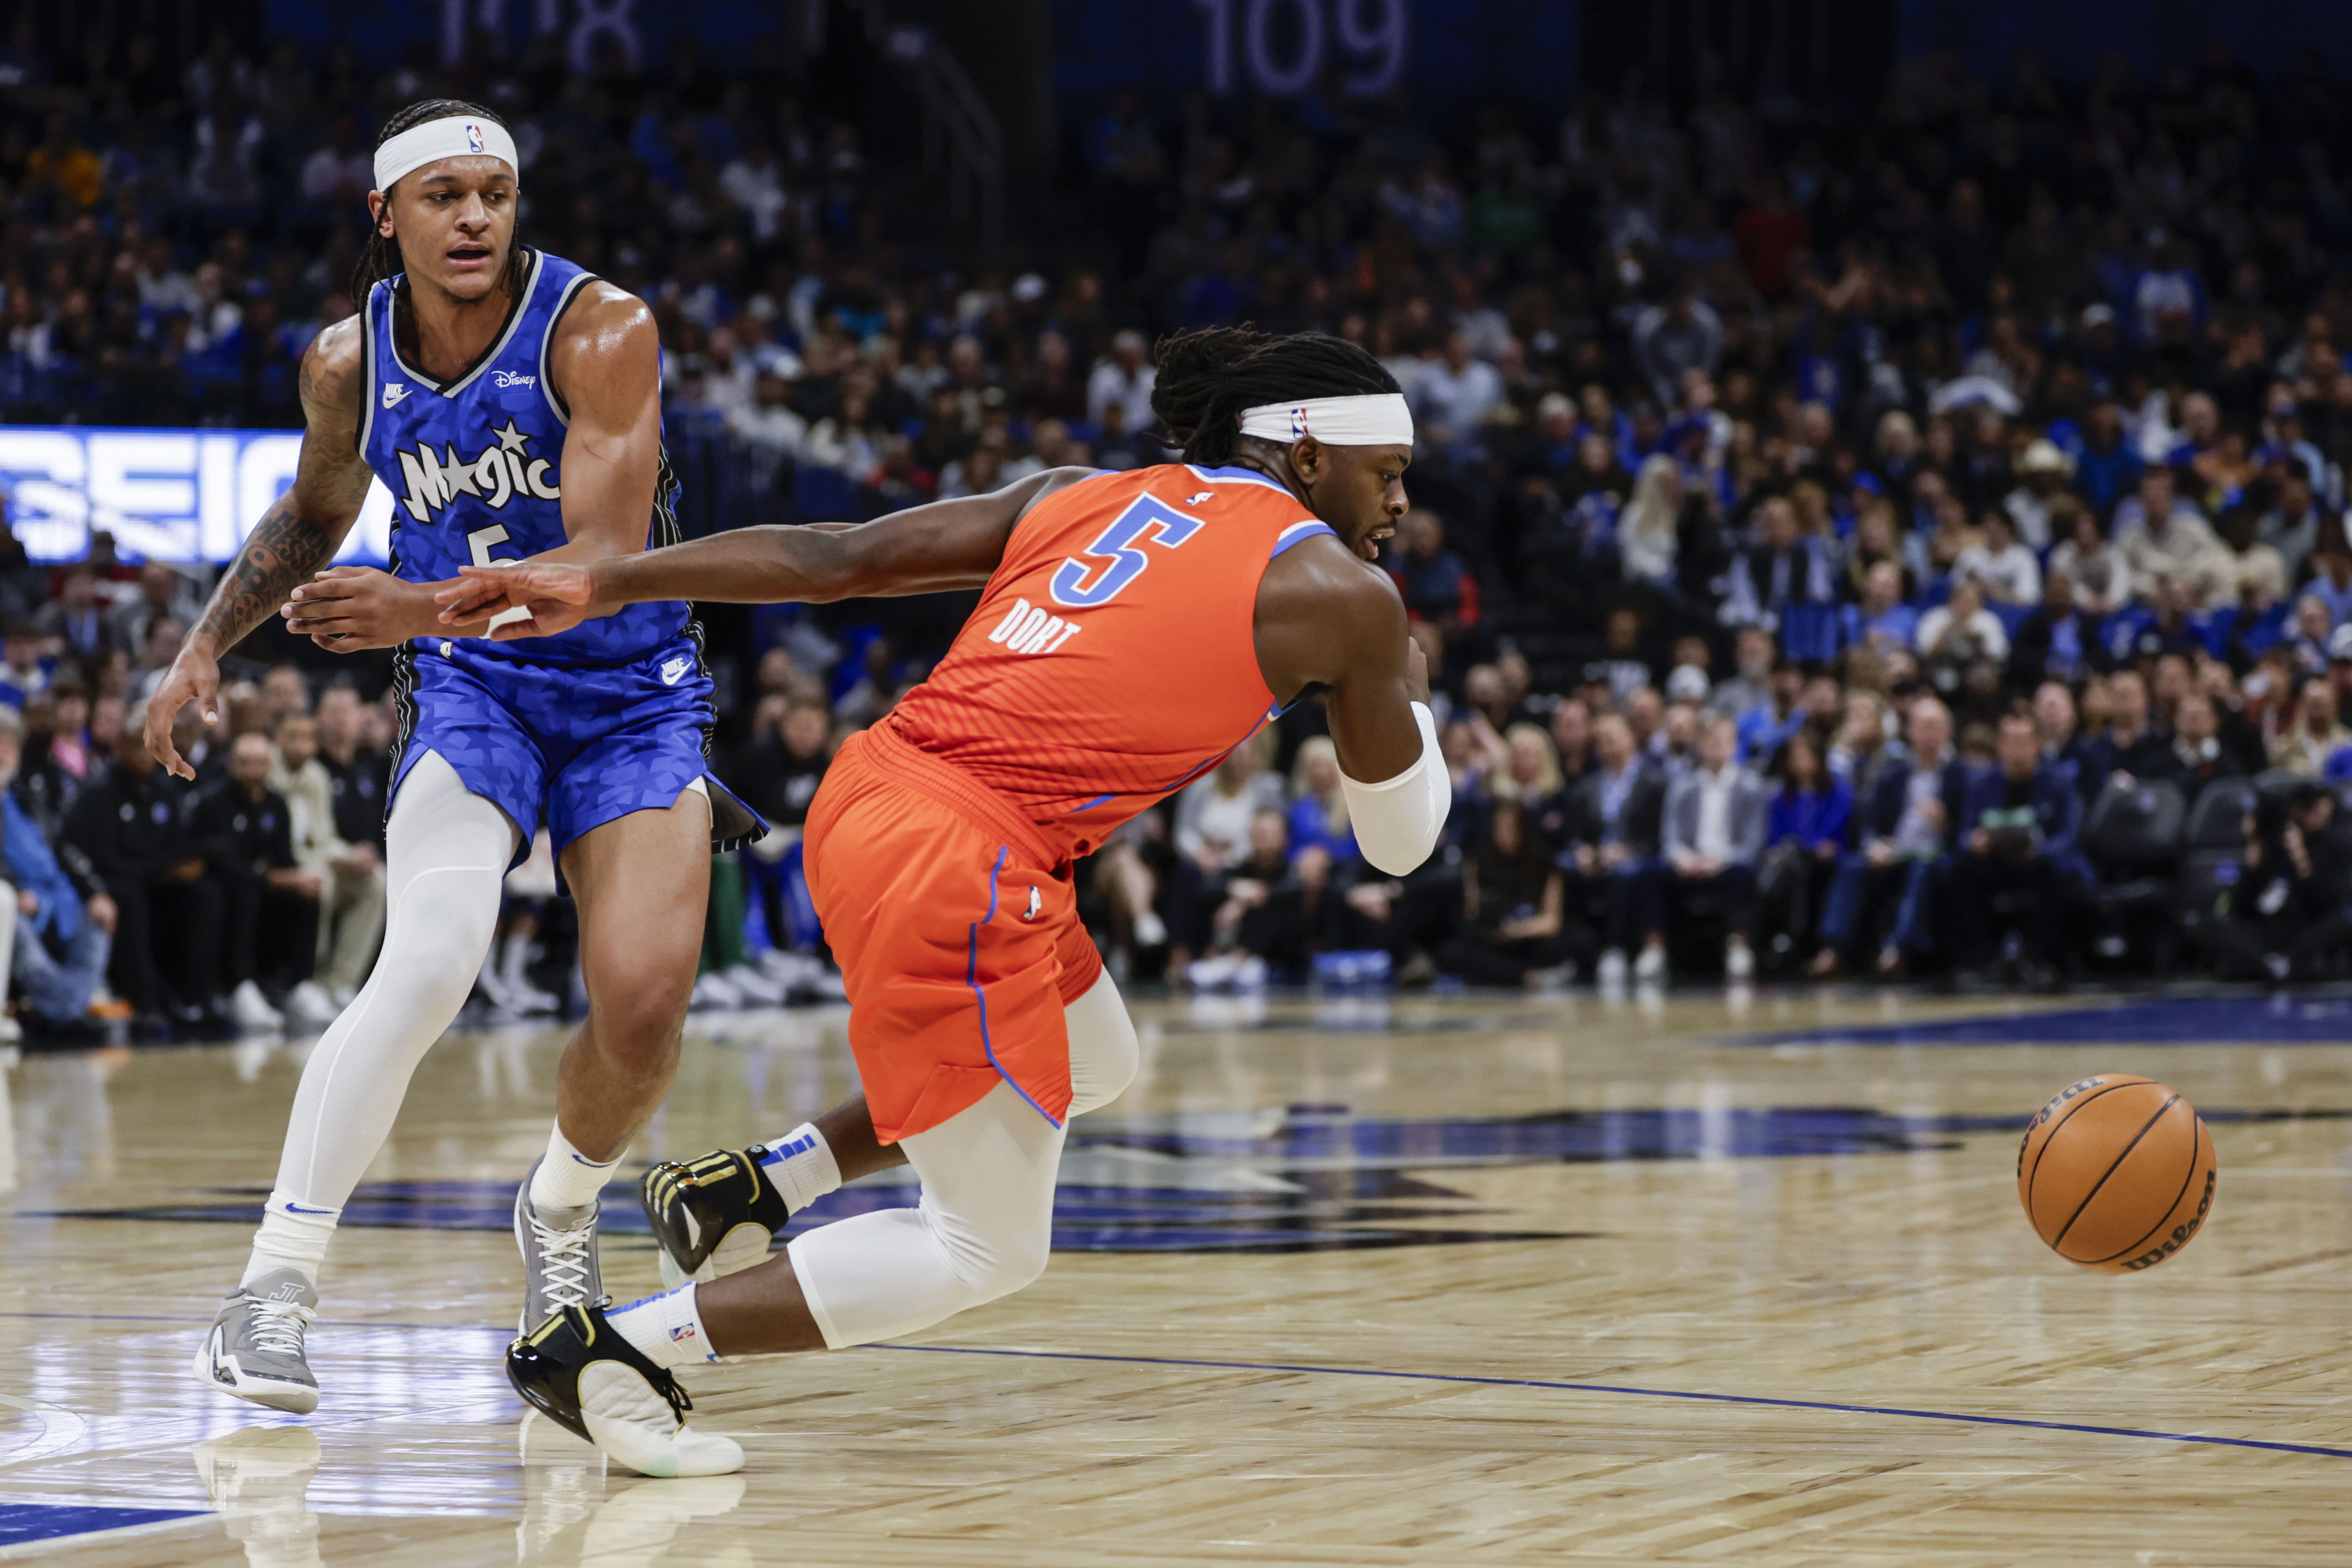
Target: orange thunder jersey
point(1112, 659)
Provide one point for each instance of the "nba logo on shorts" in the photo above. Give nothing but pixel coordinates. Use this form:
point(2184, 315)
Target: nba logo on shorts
point(473, 138)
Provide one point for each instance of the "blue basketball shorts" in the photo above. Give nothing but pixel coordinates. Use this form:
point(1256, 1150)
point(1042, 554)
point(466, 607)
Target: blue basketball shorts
point(572, 748)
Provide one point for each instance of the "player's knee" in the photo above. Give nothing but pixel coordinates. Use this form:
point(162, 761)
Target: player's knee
point(640, 1009)
point(994, 1258)
point(1104, 1050)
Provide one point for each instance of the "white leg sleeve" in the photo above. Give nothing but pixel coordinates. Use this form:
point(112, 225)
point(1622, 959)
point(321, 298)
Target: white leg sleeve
point(445, 858)
point(982, 1230)
point(1103, 1047)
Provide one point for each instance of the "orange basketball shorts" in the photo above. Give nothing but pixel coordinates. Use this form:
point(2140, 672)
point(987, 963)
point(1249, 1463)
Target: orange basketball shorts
point(958, 937)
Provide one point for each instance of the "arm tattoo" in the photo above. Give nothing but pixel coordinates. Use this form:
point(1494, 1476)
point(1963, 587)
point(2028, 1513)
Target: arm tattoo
point(283, 551)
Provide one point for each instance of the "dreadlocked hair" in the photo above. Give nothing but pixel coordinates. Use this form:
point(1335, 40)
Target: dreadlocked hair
point(1207, 377)
point(380, 257)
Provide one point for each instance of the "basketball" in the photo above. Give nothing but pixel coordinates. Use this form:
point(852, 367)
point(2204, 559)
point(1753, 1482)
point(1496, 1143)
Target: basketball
point(2116, 1172)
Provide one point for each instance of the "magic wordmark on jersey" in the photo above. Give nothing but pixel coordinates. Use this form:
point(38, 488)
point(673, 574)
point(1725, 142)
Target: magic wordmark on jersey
point(504, 469)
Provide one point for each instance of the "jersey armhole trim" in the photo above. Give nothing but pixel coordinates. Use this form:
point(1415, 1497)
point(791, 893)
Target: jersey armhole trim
point(547, 341)
point(1299, 533)
point(367, 370)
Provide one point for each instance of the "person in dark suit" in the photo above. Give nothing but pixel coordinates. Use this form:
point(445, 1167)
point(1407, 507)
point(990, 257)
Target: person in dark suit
point(2197, 756)
point(1612, 860)
point(2131, 745)
point(1714, 840)
point(1899, 835)
point(2017, 837)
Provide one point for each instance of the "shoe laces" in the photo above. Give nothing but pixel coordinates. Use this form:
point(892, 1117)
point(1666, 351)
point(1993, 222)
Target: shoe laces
point(563, 1262)
point(276, 1326)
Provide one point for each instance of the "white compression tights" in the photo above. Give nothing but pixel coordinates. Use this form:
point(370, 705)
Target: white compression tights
point(986, 1218)
point(446, 854)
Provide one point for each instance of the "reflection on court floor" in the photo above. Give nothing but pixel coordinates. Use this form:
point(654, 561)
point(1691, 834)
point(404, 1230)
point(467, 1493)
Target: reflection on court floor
point(1349, 1279)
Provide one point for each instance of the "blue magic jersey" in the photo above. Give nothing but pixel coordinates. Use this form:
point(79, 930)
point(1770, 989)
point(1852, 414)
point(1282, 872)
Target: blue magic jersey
point(475, 466)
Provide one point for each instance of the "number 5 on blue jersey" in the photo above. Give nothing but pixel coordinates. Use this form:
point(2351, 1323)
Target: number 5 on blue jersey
point(1149, 522)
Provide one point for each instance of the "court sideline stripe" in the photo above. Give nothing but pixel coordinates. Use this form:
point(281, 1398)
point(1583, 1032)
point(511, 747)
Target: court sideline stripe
point(1756, 1399)
point(1645, 1392)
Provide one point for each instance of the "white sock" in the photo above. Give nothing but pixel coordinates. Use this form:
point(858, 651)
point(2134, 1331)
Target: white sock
point(293, 1234)
point(567, 1179)
point(666, 1329)
point(801, 1167)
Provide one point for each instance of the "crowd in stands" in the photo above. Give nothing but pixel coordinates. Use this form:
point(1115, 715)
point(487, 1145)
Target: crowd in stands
point(1892, 542)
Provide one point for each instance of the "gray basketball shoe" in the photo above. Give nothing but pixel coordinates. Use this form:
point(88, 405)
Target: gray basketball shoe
point(253, 1349)
point(559, 1258)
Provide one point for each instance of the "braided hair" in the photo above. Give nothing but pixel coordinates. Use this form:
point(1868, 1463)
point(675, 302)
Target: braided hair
point(380, 257)
point(1207, 377)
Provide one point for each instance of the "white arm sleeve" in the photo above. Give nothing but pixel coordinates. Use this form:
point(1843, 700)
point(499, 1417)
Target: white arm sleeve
point(1396, 821)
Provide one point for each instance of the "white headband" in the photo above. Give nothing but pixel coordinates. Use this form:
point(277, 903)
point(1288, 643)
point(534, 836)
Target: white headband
point(454, 137)
point(1381, 419)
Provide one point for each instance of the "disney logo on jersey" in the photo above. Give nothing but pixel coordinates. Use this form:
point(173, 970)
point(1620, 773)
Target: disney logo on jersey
point(509, 378)
point(1029, 628)
point(494, 476)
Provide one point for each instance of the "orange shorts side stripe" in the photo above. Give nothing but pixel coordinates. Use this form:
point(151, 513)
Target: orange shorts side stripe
point(958, 945)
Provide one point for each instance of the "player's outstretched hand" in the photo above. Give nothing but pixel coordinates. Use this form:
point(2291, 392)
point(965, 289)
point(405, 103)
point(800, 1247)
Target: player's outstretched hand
point(552, 596)
point(194, 676)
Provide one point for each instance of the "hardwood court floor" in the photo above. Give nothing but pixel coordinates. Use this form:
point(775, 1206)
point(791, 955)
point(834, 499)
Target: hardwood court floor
point(1478, 1279)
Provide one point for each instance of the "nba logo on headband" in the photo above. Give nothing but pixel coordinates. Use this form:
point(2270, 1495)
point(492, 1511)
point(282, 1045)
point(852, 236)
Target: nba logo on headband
point(473, 138)
point(1298, 424)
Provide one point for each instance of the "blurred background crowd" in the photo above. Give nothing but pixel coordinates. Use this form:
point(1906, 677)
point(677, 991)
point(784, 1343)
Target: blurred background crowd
point(1901, 543)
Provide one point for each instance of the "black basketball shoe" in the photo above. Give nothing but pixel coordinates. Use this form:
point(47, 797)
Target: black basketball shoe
point(712, 1215)
point(580, 1372)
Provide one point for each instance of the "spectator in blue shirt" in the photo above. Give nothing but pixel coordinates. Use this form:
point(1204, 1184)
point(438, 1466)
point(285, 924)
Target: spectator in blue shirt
point(1882, 620)
point(2106, 469)
point(65, 922)
point(1804, 833)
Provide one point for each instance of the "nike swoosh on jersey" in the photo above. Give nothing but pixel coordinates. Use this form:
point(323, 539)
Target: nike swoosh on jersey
point(393, 390)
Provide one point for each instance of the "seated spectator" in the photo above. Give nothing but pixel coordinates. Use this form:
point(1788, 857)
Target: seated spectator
point(2103, 583)
point(73, 624)
point(2004, 566)
point(1779, 570)
point(2063, 742)
point(2283, 919)
point(2332, 583)
point(2199, 756)
point(1212, 833)
point(129, 826)
point(1435, 584)
point(1754, 653)
point(1863, 744)
point(2163, 537)
point(1649, 529)
point(1515, 928)
point(357, 772)
point(1762, 728)
point(1264, 923)
point(1318, 806)
point(2308, 638)
point(1804, 833)
point(1882, 620)
point(26, 674)
point(64, 921)
point(2317, 733)
point(2043, 473)
point(270, 918)
point(1959, 633)
point(2291, 526)
point(164, 595)
point(2252, 575)
point(2019, 824)
point(2131, 747)
point(1612, 852)
point(1715, 826)
point(351, 897)
point(1900, 832)
point(2058, 641)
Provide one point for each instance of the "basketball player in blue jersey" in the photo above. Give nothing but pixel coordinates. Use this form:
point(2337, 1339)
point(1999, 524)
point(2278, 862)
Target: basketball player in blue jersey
point(510, 402)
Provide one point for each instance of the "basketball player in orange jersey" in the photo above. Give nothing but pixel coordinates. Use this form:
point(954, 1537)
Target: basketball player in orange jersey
point(1133, 628)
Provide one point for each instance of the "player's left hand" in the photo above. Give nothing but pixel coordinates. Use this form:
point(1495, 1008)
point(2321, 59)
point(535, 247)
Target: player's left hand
point(346, 608)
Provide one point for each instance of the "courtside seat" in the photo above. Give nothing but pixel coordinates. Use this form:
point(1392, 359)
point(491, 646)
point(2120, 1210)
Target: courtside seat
point(2218, 820)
